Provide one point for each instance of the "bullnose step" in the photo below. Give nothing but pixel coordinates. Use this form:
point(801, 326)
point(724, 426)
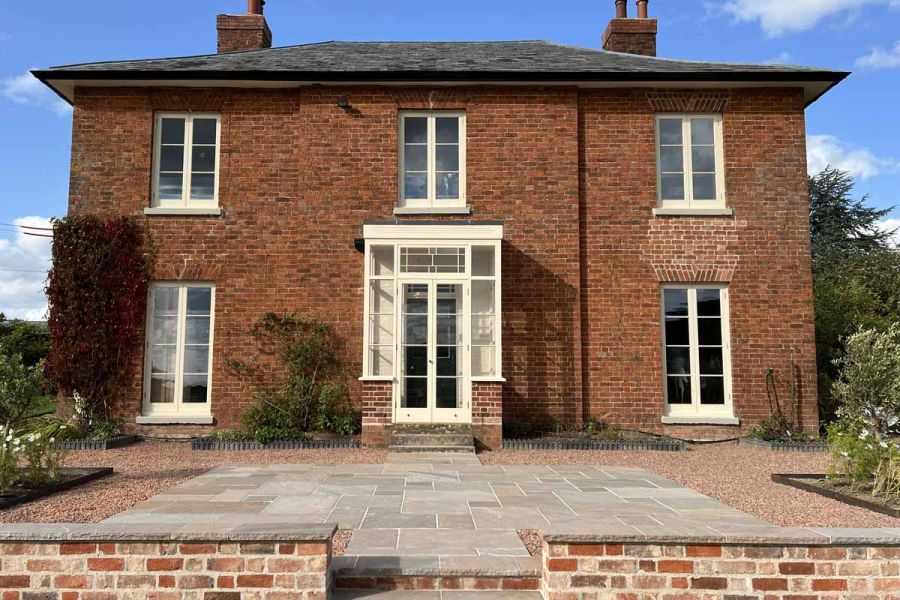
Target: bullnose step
point(427, 439)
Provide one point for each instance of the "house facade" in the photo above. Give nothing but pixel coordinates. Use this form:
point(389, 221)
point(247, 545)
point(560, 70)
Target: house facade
point(501, 233)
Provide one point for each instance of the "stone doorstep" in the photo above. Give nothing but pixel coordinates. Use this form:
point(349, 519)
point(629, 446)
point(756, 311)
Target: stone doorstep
point(447, 449)
point(437, 573)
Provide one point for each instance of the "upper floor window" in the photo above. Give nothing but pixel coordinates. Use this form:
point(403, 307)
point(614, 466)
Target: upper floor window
point(689, 159)
point(432, 159)
point(186, 160)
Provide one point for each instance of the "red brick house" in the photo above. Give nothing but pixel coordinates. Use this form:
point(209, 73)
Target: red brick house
point(506, 232)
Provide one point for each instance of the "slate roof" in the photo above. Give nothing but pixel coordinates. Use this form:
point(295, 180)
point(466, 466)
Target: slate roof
point(418, 57)
point(433, 61)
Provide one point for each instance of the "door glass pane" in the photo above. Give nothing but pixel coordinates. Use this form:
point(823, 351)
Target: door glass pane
point(196, 359)
point(711, 361)
point(163, 345)
point(381, 331)
point(448, 345)
point(483, 298)
point(414, 346)
point(482, 330)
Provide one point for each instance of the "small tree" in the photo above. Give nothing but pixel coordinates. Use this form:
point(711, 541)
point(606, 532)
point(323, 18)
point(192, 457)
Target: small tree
point(868, 388)
point(29, 340)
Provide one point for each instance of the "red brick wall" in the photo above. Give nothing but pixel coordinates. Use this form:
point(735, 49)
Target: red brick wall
point(170, 570)
point(762, 251)
point(582, 254)
point(377, 412)
point(618, 571)
point(632, 36)
point(487, 414)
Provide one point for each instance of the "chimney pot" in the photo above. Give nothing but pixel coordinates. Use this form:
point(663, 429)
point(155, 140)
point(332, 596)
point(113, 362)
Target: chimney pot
point(255, 7)
point(642, 9)
point(621, 9)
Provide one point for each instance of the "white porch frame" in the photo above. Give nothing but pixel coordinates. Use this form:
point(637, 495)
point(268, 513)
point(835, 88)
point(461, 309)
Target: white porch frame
point(462, 236)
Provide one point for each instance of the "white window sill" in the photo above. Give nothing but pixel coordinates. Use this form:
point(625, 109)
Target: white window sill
point(433, 210)
point(174, 420)
point(692, 212)
point(701, 421)
point(380, 378)
point(488, 379)
point(184, 212)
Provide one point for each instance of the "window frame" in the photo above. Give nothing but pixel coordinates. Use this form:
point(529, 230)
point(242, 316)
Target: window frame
point(178, 407)
point(185, 202)
point(687, 163)
point(695, 408)
point(431, 202)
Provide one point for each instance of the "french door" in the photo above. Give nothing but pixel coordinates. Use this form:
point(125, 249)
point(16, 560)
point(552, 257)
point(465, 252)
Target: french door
point(433, 375)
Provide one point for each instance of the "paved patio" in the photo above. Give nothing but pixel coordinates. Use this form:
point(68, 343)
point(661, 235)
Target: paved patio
point(440, 513)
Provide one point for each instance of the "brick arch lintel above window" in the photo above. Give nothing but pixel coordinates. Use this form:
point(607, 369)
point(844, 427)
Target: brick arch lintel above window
point(431, 99)
point(193, 100)
point(186, 271)
point(688, 101)
point(690, 273)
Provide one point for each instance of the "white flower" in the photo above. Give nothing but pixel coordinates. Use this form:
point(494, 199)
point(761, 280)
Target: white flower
point(37, 436)
point(883, 444)
point(845, 454)
point(52, 440)
point(17, 441)
point(864, 434)
point(31, 437)
point(9, 437)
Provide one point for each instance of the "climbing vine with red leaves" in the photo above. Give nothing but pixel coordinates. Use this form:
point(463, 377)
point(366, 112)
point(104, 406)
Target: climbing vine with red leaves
point(97, 289)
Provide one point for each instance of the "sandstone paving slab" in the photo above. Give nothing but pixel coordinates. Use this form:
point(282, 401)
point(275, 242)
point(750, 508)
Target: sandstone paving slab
point(461, 521)
point(386, 519)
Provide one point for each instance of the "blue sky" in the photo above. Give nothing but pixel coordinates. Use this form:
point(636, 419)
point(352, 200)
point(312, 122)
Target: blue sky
point(855, 127)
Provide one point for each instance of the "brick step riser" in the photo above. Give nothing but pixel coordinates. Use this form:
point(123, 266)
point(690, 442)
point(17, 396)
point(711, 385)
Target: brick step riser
point(425, 583)
point(431, 440)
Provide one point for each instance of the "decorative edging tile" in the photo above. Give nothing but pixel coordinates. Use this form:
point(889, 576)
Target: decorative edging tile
point(663, 445)
point(797, 481)
point(101, 444)
point(817, 446)
point(209, 444)
point(90, 474)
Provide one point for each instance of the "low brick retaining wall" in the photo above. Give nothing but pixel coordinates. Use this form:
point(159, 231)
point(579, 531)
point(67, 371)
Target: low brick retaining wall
point(109, 563)
point(788, 567)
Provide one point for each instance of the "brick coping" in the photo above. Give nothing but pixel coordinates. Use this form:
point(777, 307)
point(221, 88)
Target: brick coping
point(775, 536)
point(123, 532)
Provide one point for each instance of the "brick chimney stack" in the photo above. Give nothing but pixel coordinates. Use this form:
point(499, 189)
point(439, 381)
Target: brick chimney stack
point(632, 36)
point(244, 32)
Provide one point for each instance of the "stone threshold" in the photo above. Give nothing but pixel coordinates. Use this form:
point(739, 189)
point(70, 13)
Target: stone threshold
point(763, 536)
point(436, 566)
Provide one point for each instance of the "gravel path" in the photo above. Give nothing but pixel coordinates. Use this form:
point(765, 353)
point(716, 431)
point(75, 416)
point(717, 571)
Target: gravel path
point(146, 469)
point(738, 476)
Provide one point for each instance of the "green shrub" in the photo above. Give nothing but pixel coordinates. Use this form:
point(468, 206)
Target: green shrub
point(21, 390)
point(777, 428)
point(862, 461)
point(30, 341)
point(306, 391)
point(868, 388)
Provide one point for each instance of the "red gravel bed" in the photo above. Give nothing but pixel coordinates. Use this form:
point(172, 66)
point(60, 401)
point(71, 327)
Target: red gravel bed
point(148, 468)
point(735, 475)
point(532, 539)
point(340, 540)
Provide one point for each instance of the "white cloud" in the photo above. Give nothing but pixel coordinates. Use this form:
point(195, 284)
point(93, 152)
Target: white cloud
point(892, 225)
point(827, 150)
point(879, 58)
point(779, 17)
point(24, 261)
point(26, 90)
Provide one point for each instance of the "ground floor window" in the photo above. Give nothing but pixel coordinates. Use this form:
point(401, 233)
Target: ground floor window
point(179, 348)
point(697, 363)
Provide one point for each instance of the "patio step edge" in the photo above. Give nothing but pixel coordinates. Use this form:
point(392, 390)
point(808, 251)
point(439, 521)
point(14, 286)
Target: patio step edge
point(431, 449)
